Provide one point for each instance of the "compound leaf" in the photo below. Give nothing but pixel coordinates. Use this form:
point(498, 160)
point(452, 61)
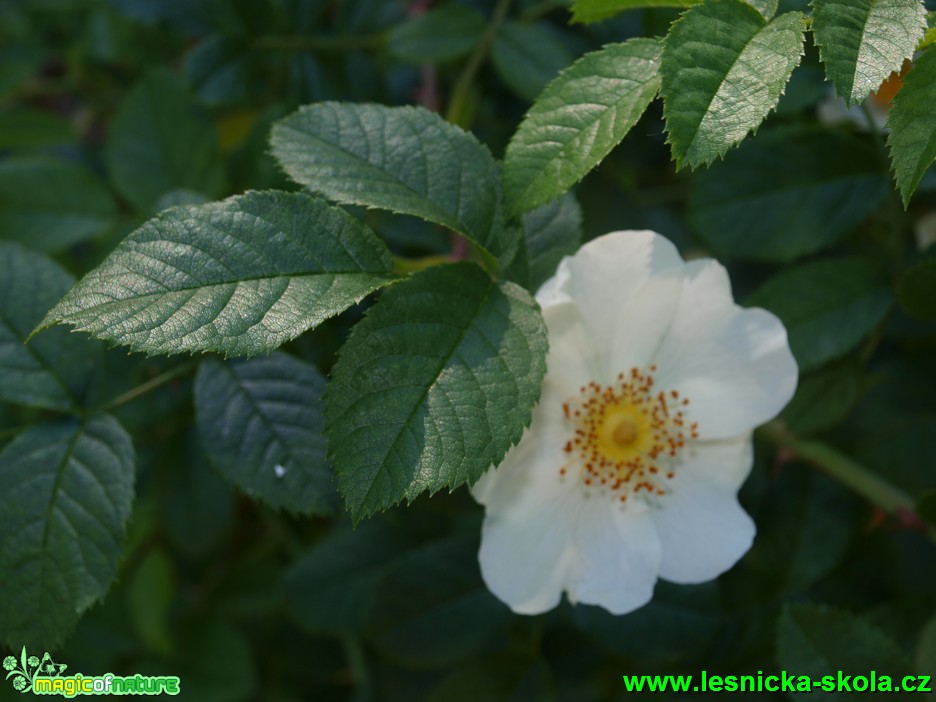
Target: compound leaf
point(402, 159)
point(260, 421)
point(433, 386)
point(579, 118)
point(68, 488)
point(861, 42)
point(241, 276)
point(724, 68)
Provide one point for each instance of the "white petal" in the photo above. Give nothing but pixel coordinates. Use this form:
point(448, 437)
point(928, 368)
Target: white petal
point(625, 259)
point(590, 547)
point(734, 364)
point(638, 325)
point(525, 554)
point(541, 535)
point(529, 474)
point(571, 362)
point(555, 290)
point(625, 287)
point(526, 533)
point(702, 529)
point(617, 557)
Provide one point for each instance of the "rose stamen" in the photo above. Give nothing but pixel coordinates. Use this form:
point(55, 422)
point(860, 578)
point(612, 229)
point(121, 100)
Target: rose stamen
point(626, 437)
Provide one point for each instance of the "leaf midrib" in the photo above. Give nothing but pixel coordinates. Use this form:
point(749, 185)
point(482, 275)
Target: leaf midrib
point(53, 501)
point(56, 376)
point(239, 383)
point(695, 132)
point(191, 288)
point(861, 44)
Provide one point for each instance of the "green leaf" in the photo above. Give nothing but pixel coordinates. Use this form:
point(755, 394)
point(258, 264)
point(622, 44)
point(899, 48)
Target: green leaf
point(260, 422)
point(827, 306)
point(331, 589)
point(159, 141)
point(21, 61)
point(50, 205)
point(816, 641)
point(912, 124)
point(433, 386)
point(901, 449)
point(442, 34)
point(579, 118)
point(216, 662)
point(916, 290)
point(724, 68)
point(787, 193)
point(198, 513)
point(805, 525)
point(241, 276)
point(149, 597)
point(528, 56)
point(767, 8)
point(68, 488)
point(432, 609)
point(550, 232)
point(52, 370)
point(221, 69)
point(861, 42)
point(402, 159)
point(680, 621)
point(824, 399)
point(597, 10)
point(925, 658)
point(926, 508)
point(497, 677)
point(28, 128)
point(930, 37)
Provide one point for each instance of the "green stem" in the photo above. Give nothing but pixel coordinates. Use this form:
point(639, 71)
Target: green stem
point(357, 662)
point(459, 99)
point(149, 385)
point(849, 472)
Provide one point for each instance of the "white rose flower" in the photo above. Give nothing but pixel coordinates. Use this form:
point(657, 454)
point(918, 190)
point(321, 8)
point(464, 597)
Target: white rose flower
point(642, 436)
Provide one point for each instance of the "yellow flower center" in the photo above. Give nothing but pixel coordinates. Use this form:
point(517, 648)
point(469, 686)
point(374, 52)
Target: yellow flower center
point(627, 438)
